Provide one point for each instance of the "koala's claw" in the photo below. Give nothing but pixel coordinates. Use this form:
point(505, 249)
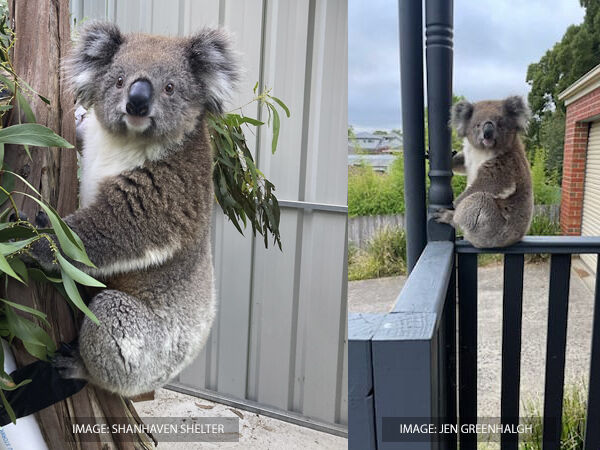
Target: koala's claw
point(22, 216)
point(42, 220)
point(444, 215)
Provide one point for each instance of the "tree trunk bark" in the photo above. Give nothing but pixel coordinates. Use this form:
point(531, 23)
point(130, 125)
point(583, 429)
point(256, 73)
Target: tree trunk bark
point(42, 32)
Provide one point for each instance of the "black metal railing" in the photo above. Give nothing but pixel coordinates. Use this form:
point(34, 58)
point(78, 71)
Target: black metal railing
point(560, 248)
point(402, 364)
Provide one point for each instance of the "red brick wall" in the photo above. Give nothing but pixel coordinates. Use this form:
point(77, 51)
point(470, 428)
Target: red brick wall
point(576, 137)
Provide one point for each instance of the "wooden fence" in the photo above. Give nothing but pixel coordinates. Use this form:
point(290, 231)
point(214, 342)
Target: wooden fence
point(362, 228)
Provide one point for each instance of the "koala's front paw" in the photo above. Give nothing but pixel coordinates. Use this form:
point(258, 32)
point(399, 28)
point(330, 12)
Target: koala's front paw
point(444, 215)
point(41, 252)
point(22, 216)
point(42, 220)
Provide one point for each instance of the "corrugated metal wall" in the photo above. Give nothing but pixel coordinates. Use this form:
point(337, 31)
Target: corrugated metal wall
point(280, 338)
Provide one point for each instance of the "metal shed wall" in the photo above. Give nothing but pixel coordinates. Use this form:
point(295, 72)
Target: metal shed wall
point(280, 338)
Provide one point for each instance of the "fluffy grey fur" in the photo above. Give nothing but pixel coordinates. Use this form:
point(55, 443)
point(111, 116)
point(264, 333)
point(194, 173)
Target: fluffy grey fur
point(145, 221)
point(495, 209)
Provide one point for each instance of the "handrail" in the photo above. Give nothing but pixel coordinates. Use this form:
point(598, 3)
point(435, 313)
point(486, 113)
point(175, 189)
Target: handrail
point(426, 287)
point(402, 362)
point(540, 244)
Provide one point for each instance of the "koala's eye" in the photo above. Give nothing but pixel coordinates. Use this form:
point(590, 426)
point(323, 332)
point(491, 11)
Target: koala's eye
point(120, 82)
point(169, 88)
point(479, 125)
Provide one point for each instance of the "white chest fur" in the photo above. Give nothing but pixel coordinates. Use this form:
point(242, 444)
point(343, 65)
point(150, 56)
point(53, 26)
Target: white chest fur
point(474, 158)
point(106, 155)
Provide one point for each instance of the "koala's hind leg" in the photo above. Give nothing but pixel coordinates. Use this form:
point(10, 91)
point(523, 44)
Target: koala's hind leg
point(127, 353)
point(480, 220)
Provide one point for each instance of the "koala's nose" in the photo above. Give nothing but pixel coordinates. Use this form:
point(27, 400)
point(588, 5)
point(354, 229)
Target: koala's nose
point(488, 130)
point(138, 101)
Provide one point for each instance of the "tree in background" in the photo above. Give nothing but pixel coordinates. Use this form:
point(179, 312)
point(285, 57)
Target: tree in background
point(577, 53)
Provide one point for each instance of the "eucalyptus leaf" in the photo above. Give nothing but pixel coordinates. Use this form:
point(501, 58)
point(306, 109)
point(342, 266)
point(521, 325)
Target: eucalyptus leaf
point(276, 125)
point(280, 103)
point(27, 309)
point(27, 331)
point(32, 134)
point(38, 275)
point(76, 274)
point(7, 269)
point(19, 267)
point(8, 248)
point(73, 247)
point(75, 297)
point(8, 408)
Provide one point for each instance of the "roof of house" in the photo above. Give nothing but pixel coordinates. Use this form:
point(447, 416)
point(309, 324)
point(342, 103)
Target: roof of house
point(581, 87)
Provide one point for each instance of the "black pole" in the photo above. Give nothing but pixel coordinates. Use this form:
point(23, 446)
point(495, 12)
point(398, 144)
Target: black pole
point(413, 128)
point(438, 18)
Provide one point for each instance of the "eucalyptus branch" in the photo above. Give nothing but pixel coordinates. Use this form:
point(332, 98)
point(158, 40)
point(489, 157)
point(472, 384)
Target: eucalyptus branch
point(12, 201)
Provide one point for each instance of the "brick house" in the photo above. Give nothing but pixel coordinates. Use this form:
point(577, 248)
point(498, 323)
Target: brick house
point(580, 203)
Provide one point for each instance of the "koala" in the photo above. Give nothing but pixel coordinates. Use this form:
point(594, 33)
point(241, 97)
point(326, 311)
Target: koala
point(146, 198)
point(495, 209)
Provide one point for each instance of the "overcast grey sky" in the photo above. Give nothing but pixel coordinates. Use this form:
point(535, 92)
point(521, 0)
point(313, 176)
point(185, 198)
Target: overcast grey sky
point(494, 42)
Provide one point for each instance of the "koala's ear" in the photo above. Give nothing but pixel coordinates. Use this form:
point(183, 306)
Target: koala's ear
point(214, 65)
point(96, 46)
point(461, 114)
point(516, 108)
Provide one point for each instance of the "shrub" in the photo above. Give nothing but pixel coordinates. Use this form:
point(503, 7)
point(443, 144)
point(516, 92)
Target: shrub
point(542, 225)
point(370, 193)
point(385, 255)
point(573, 421)
point(545, 191)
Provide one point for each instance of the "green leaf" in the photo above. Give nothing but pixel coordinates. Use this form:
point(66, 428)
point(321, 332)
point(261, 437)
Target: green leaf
point(40, 276)
point(280, 103)
point(76, 274)
point(19, 267)
point(22, 102)
point(8, 248)
point(23, 180)
point(255, 87)
point(73, 294)
point(7, 383)
point(36, 350)
point(32, 134)
point(17, 231)
point(27, 309)
point(27, 331)
point(251, 121)
point(69, 241)
point(275, 130)
point(8, 408)
point(7, 269)
point(8, 183)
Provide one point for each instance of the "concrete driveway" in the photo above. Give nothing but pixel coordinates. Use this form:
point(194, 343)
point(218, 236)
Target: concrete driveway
point(380, 295)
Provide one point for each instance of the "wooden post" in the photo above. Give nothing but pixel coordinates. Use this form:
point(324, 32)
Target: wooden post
point(438, 45)
point(413, 127)
point(42, 40)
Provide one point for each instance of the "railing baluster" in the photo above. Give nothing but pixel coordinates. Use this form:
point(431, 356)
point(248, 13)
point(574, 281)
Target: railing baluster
point(448, 362)
point(467, 339)
point(560, 272)
point(592, 430)
point(511, 345)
